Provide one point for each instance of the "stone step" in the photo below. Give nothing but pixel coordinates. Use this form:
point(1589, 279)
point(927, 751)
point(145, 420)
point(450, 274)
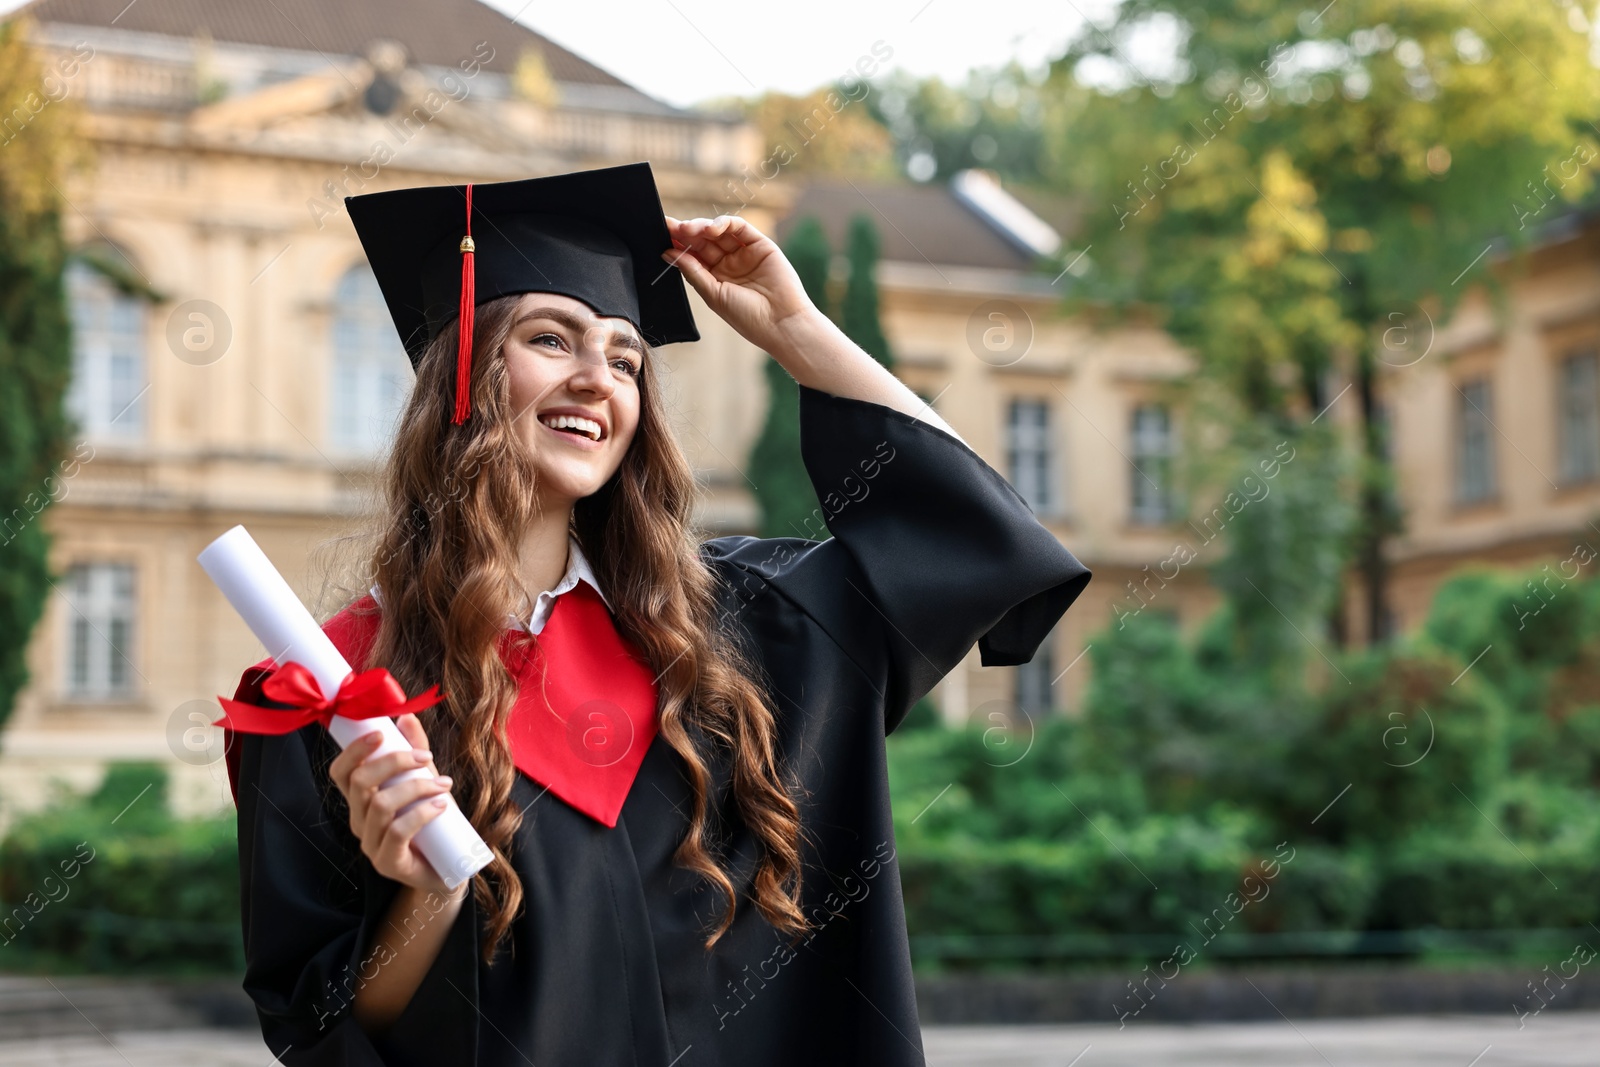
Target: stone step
point(36, 1007)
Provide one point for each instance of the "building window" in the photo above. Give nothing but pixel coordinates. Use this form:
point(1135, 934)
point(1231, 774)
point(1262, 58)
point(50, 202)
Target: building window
point(371, 374)
point(1030, 454)
point(1152, 452)
point(1579, 405)
point(108, 360)
point(99, 625)
point(1035, 681)
point(1475, 473)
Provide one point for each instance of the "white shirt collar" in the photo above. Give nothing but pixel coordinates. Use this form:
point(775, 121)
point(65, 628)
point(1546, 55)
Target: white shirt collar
point(577, 567)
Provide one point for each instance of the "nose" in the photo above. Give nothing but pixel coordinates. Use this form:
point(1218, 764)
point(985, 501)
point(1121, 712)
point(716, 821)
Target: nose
point(589, 372)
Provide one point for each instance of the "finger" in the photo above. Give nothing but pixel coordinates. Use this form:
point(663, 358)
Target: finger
point(736, 233)
point(717, 229)
point(412, 731)
point(396, 841)
point(374, 772)
point(388, 802)
point(349, 759)
point(709, 255)
point(697, 231)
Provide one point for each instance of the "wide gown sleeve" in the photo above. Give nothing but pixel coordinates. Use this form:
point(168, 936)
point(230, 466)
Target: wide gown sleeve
point(310, 902)
point(932, 551)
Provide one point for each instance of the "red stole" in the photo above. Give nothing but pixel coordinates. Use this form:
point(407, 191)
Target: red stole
point(586, 708)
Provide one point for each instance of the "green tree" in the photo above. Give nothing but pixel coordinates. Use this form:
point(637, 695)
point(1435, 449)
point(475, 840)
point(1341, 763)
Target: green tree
point(1290, 186)
point(859, 315)
point(997, 119)
point(789, 506)
point(35, 347)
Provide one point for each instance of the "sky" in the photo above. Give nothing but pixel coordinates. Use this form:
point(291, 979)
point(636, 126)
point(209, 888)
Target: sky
point(687, 51)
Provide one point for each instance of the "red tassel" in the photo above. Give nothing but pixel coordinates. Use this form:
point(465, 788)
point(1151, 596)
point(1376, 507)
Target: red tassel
point(464, 323)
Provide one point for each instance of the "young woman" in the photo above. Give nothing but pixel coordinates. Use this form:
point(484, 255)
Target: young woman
point(674, 748)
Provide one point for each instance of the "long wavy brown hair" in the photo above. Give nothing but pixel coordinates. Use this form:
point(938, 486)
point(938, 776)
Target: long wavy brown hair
point(458, 500)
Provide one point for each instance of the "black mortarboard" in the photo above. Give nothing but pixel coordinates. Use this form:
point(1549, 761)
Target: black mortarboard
point(595, 235)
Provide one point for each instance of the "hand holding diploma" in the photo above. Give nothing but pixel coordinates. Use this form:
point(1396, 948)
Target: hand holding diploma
point(390, 803)
point(311, 668)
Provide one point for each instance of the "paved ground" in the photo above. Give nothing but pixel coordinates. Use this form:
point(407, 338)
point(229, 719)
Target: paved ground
point(1553, 1040)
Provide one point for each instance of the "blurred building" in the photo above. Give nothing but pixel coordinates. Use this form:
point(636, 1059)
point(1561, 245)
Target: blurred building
point(1494, 426)
point(234, 359)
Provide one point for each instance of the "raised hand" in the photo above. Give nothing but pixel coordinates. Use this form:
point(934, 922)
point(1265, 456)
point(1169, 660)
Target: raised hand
point(743, 276)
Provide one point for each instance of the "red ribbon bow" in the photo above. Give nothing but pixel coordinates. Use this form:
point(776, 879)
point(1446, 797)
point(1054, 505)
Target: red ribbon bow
point(367, 695)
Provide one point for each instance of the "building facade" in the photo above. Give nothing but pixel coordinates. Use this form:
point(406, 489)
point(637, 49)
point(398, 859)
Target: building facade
point(234, 359)
point(1494, 426)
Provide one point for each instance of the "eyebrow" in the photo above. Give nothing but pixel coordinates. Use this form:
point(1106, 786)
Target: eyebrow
point(579, 326)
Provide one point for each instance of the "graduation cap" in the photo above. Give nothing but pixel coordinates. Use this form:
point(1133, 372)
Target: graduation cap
point(595, 235)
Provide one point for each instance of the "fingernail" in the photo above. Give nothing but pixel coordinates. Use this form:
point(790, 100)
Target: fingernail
point(445, 779)
point(421, 755)
point(439, 802)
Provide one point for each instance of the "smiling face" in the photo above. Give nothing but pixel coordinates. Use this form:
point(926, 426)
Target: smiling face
point(574, 382)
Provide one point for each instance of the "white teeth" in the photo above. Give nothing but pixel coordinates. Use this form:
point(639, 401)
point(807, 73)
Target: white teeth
point(588, 427)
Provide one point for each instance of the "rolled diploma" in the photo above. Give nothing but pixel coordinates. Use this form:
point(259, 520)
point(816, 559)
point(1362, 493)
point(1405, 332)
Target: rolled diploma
point(277, 617)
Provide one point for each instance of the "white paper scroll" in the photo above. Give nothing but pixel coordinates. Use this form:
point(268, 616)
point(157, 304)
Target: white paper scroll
point(275, 615)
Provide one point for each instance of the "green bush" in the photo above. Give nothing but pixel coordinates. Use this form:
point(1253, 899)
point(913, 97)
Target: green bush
point(112, 882)
point(1485, 882)
point(1427, 784)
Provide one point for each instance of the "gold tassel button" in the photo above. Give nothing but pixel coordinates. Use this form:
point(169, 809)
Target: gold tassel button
point(467, 245)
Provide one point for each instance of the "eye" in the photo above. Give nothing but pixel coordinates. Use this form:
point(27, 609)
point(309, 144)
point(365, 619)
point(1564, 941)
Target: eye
point(626, 365)
point(541, 337)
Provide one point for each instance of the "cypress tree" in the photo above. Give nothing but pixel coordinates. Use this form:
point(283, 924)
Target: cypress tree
point(859, 317)
point(789, 506)
point(35, 352)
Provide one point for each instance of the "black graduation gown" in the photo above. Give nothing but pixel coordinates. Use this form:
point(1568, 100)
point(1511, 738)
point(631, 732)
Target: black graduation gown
point(932, 552)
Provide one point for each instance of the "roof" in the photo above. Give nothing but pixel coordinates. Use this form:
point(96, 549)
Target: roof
point(434, 32)
point(916, 223)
